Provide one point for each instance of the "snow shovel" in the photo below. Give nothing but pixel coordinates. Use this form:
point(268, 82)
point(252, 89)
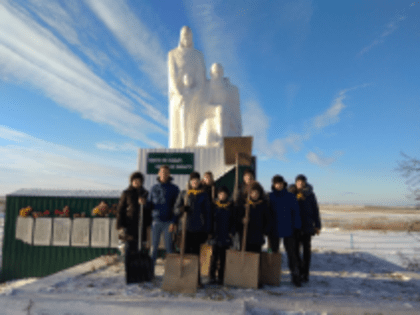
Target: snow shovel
point(206, 252)
point(242, 268)
point(181, 270)
point(140, 266)
point(270, 268)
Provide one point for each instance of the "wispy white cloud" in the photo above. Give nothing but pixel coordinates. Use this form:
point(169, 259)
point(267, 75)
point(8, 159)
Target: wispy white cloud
point(135, 36)
point(32, 162)
point(321, 160)
point(31, 53)
point(257, 123)
point(389, 29)
point(112, 146)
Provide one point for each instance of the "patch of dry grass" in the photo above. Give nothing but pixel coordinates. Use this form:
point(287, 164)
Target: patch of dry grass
point(380, 224)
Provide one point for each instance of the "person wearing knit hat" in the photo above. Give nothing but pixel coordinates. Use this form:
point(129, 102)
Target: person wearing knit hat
point(196, 203)
point(311, 224)
point(259, 221)
point(128, 210)
point(278, 179)
point(222, 233)
point(286, 220)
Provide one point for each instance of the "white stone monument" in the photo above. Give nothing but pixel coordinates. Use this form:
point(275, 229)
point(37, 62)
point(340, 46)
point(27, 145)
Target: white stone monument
point(201, 111)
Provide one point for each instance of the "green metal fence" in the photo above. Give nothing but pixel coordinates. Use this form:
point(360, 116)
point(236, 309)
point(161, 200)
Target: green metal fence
point(22, 260)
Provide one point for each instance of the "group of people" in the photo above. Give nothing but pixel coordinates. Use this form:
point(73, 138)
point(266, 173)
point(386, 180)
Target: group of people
point(216, 216)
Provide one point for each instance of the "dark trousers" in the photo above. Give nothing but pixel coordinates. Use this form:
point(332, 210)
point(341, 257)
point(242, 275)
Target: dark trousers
point(192, 246)
point(218, 261)
point(131, 248)
point(303, 241)
point(194, 241)
point(290, 247)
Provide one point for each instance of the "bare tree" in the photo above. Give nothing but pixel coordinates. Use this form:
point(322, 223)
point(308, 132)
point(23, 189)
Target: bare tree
point(409, 168)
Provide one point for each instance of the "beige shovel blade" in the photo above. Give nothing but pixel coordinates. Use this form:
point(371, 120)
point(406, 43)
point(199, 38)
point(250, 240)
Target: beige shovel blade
point(242, 269)
point(183, 280)
point(270, 268)
point(205, 259)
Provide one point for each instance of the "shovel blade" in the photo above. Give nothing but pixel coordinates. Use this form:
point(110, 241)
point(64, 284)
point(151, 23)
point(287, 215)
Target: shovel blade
point(181, 279)
point(205, 259)
point(242, 269)
point(270, 268)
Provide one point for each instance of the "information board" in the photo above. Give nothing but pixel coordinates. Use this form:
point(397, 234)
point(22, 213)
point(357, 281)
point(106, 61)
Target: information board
point(61, 231)
point(114, 233)
point(24, 229)
point(80, 232)
point(43, 231)
point(100, 232)
point(178, 163)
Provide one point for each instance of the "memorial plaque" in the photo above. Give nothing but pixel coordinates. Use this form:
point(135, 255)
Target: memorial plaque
point(43, 231)
point(80, 232)
point(100, 232)
point(178, 162)
point(24, 229)
point(61, 233)
point(114, 233)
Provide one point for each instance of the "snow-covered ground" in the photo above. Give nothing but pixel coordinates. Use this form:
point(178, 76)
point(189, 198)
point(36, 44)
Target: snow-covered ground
point(352, 272)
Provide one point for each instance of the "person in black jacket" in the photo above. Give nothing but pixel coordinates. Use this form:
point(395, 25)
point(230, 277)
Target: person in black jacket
point(222, 233)
point(311, 224)
point(286, 224)
point(198, 209)
point(240, 194)
point(259, 222)
point(208, 185)
point(128, 211)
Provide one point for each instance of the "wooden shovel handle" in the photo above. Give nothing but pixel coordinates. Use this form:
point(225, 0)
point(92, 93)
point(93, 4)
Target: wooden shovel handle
point(183, 235)
point(236, 177)
point(140, 244)
point(245, 232)
point(184, 223)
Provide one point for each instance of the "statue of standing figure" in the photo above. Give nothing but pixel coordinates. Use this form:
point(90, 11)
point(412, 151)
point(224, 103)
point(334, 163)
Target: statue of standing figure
point(201, 111)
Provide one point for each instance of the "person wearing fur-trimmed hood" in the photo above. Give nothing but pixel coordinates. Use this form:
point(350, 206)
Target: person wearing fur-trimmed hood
point(311, 224)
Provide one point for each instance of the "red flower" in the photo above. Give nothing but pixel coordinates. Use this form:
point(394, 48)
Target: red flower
point(57, 212)
point(47, 212)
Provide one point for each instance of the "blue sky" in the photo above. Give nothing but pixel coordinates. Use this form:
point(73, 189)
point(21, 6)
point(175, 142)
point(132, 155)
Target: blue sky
point(330, 89)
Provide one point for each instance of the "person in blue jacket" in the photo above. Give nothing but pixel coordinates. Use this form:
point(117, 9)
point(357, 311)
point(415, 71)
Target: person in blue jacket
point(259, 222)
point(162, 200)
point(222, 233)
point(196, 203)
point(286, 223)
point(311, 224)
